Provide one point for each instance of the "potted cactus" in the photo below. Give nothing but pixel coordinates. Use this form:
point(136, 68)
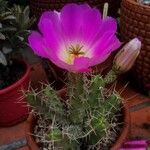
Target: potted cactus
point(14, 76)
point(86, 114)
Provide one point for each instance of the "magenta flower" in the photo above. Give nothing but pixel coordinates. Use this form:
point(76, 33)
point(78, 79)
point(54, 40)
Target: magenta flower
point(75, 38)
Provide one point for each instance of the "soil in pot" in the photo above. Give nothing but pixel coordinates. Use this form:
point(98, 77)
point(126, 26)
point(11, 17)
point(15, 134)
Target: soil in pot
point(11, 73)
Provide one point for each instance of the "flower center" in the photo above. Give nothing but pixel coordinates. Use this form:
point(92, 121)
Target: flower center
point(69, 53)
point(74, 52)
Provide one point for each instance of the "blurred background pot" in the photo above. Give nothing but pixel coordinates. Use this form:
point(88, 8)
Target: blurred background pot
point(38, 6)
point(13, 107)
point(135, 22)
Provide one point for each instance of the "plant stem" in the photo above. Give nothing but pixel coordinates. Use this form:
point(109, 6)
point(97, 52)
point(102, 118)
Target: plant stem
point(110, 77)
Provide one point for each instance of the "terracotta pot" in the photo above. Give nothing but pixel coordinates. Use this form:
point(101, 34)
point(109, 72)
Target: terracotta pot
point(29, 130)
point(125, 130)
point(13, 108)
point(119, 142)
point(135, 22)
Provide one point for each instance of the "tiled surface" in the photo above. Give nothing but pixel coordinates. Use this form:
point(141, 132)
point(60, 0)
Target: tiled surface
point(139, 106)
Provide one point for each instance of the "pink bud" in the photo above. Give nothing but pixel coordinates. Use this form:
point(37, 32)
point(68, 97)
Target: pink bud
point(126, 57)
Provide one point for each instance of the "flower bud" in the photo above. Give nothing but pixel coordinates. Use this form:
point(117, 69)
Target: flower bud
point(126, 57)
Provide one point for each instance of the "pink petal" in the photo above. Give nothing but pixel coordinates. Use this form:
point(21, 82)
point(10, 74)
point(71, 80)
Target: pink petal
point(49, 26)
point(104, 47)
point(109, 24)
point(85, 7)
point(107, 43)
point(53, 56)
point(97, 60)
point(81, 64)
point(52, 16)
point(91, 24)
point(72, 20)
point(60, 63)
point(37, 44)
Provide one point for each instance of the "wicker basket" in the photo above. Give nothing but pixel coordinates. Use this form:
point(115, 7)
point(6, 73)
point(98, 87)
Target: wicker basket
point(38, 6)
point(135, 22)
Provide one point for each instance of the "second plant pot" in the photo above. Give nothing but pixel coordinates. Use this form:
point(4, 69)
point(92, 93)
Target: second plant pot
point(13, 107)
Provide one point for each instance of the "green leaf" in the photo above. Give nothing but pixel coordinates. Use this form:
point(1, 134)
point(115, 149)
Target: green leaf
point(7, 49)
point(2, 36)
point(3, 59)
point(9, 17)
point(8, 29)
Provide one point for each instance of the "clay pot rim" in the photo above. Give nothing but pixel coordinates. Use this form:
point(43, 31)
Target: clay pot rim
point(118, 143)
point(18, 82)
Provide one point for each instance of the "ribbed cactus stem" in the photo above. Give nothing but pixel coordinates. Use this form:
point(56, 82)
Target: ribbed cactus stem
point(75, 92)
point(75, 85)
point(87, 116)
point(111, 76)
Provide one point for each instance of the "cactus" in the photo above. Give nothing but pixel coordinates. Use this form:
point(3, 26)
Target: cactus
point(86, 117)
point(47, 102)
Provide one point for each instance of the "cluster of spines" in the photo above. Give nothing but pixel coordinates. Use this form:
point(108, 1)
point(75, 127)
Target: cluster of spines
point(88, 115)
